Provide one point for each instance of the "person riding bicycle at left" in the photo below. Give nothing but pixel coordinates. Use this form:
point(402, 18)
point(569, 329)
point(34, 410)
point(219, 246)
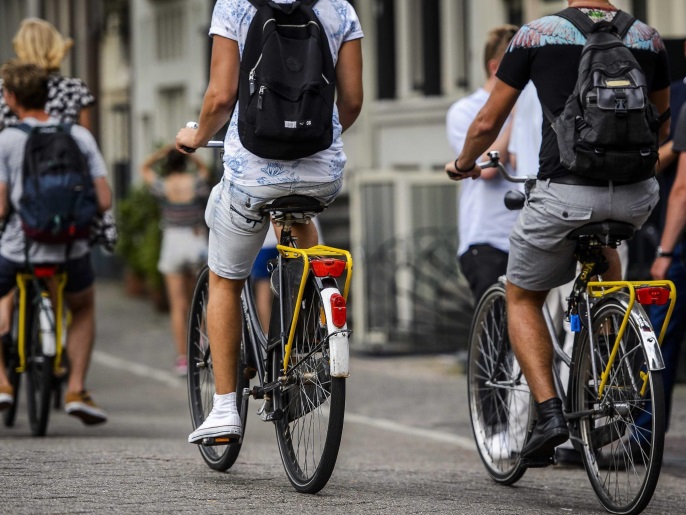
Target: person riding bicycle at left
point(25, 89)
point(237, 227)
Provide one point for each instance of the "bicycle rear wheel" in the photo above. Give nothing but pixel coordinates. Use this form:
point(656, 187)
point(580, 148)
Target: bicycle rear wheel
point(39, 372)
point(499, 398)
point(311, 401)
point(622, 457)
point(201, 377)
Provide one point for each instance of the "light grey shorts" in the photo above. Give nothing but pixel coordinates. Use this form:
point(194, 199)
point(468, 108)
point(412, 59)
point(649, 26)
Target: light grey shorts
point(184, 249)
point(237, 229)
point(541, 256)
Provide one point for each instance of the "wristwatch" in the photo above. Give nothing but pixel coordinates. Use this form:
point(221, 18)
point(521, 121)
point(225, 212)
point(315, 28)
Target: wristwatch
point(661, 253)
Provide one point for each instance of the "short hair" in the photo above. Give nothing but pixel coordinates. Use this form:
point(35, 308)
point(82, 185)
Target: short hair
point(497, 42)
point(39, 42)
point(28, 82)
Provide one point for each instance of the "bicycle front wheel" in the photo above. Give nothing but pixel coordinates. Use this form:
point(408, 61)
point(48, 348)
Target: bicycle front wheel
point(499, 398)
point(312, 403)
point(201, 378)
point(624, 436)
point(39, 371)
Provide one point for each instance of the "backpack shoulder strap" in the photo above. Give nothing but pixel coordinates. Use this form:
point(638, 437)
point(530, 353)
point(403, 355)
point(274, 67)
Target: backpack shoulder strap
point(24, 127)
point(258, 3)
point(623, 22)
point(308, 3)
point(578, 19)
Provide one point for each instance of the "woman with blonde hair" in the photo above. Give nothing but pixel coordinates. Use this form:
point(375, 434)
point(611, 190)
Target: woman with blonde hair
point(40, 43)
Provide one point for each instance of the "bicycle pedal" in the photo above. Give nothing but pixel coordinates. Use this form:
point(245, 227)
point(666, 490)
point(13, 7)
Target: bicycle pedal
point(536, 462)
point(211, 441)
point(270, 416)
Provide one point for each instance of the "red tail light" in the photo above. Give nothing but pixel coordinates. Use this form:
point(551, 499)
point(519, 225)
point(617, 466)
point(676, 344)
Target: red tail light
point(327, 267)
point(44, 271)
point(652, 295)
point(338, 310)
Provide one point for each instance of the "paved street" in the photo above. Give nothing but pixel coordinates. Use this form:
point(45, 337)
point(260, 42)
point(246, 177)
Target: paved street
point(406, 448)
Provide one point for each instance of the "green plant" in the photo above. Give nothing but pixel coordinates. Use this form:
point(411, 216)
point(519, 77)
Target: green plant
point(140, 237)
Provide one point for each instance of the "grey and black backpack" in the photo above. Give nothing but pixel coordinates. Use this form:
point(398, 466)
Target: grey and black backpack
point(609, 128)
point(287, 82)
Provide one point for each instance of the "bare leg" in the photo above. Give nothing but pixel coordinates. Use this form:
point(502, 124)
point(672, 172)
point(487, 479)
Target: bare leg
point(80, 337)
point(6, 307)
point(306, 234)
point(530, 339)
point(263, 299)
point(224, 327)
point(178, 307)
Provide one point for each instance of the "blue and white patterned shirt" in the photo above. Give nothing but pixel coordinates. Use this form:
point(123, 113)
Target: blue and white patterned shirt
point(231, 19)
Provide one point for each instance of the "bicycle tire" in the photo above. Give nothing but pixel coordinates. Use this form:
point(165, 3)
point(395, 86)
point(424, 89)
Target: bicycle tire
point(499, 399)
point(622, 460)
point(14, 378)
point(312, 402)
point(200, 378)
point(39, 375)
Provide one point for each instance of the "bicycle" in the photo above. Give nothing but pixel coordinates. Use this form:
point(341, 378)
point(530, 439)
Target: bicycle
point(614, 375)
point(37, 349)
point(300, 365)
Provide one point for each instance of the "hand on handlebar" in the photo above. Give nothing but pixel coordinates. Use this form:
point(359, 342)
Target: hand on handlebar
point(453, 174)
point(185, 138)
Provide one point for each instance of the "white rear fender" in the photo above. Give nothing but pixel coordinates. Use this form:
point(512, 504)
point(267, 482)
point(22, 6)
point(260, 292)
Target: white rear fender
point(338, 340)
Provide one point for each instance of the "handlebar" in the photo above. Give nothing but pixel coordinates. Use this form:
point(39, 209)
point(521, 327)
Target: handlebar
point(210, 144)
point(494, 162)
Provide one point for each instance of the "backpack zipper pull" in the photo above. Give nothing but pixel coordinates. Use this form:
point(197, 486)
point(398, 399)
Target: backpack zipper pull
point(261, 97)
point(252, 82)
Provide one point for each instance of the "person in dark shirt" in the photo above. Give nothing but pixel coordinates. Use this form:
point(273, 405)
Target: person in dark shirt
point(547, 51)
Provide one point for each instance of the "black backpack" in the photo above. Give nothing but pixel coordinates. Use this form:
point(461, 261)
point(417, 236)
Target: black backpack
point(287, 83)
point(609, 128)
point(58, 201)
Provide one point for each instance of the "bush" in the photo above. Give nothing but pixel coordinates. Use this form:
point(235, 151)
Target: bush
point(140, 237)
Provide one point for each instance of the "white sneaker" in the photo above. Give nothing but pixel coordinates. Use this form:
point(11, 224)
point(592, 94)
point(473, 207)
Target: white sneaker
point(222, 422)
point(498, 446)
point(6, 397)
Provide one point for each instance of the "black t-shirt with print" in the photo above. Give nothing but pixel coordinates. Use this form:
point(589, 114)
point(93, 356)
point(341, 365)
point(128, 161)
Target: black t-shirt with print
point(547, 51)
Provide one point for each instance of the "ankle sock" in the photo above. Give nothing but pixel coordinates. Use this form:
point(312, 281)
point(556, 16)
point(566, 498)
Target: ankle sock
point(225, 402)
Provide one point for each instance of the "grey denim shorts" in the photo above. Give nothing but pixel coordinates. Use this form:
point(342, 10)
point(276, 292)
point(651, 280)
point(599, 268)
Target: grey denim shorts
point(237, 229)
point(541, 256)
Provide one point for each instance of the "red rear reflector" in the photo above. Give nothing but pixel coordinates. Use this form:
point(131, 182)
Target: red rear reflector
point(652, 295)
point(327, 267)
point(44, 271)
point(338, 310)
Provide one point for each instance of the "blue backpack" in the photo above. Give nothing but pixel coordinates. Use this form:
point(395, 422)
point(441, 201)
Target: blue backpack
point(58, 202)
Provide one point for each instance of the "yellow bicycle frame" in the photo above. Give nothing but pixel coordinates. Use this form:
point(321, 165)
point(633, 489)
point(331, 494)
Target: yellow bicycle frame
point(305, 254)
point(22, 280)
point(600, 289)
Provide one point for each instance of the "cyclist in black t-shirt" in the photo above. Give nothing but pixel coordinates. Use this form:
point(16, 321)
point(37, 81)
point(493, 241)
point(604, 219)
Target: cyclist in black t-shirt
point(547, 51)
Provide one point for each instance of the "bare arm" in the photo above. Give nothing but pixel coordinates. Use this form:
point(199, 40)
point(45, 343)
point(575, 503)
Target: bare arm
point(661, 100)
point(147, 170)
point(85, 118)
point(666, 156)
point(4, 200)
point(349, 82)
point(485, 128)
point(103, 193)
point(220, 97)
point(676, 219)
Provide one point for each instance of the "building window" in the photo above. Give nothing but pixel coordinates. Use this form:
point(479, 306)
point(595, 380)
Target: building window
point(170, 32)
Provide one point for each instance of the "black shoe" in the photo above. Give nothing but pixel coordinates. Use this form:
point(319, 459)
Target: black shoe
point(550, 430)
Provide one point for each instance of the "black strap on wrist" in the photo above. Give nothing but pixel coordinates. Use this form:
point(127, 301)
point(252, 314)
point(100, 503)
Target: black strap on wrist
point(467, 170)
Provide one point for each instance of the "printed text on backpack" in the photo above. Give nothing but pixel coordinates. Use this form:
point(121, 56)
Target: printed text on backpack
point(58, 201)
point(609, 128)
point(287, 83)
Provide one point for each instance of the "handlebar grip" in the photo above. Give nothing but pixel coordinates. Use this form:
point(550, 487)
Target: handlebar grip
point(188, 149)
point(191, 125)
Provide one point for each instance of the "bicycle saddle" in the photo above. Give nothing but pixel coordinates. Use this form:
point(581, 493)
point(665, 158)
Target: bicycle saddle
point(605, 231)
point(294, 204)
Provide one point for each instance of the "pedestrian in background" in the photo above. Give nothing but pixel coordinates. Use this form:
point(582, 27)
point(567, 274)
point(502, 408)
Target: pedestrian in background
point(484, 223)
point(69, 100)
point(182, 193)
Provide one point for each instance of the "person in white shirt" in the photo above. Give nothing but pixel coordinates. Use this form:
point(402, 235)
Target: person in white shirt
point(484, 222)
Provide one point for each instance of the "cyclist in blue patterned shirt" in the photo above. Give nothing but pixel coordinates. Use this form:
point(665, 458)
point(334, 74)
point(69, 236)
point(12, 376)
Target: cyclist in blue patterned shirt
point(237, 229)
